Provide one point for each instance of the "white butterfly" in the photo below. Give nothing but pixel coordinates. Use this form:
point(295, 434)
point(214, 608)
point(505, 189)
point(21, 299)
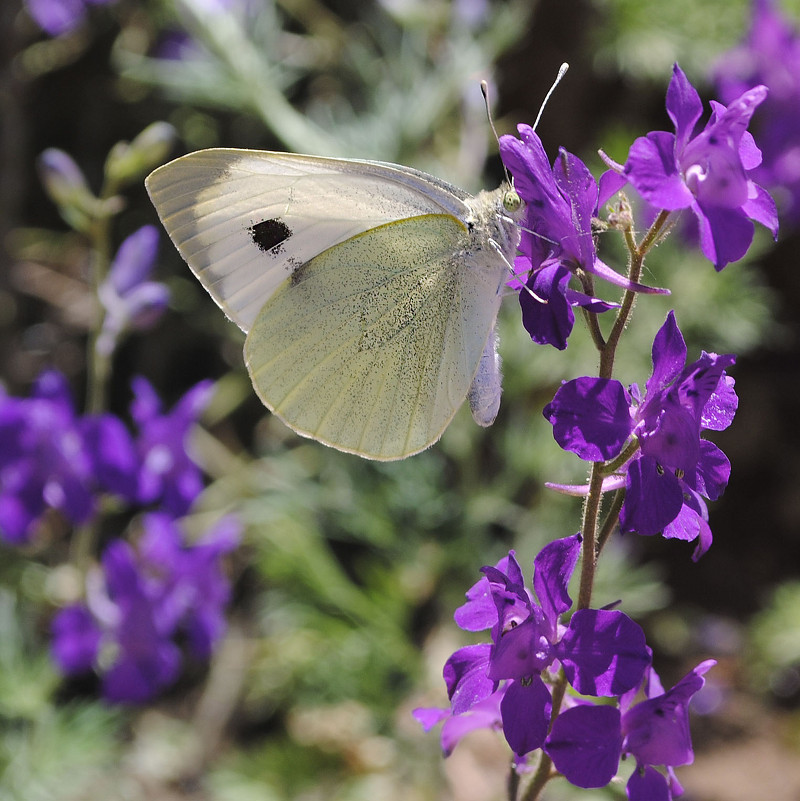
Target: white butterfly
point(368, 291)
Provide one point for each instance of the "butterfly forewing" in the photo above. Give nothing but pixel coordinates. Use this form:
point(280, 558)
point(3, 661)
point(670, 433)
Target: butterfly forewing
point(372, 346)
point(245, 220)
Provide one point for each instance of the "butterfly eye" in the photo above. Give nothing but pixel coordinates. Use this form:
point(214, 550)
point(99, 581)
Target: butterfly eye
point(511, 201)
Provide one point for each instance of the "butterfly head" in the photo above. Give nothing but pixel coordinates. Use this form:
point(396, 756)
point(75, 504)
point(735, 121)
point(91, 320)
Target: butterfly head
point(512, 202)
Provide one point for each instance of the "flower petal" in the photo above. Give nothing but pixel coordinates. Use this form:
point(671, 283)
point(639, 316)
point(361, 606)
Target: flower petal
point(648, 785)
point(548, 317)
point(683, 106)
point(721, 407)
point(525, 709)
point(465, 676)
point(552, 570)
point(585, 745)
point(653, 498)
point(669, 356)
point(591, 417)
point(760, 207)
point(603, 652)
point(725, 234)
point(653, 171)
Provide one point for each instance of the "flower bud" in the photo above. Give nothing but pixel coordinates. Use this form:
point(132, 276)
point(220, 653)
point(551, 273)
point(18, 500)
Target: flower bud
point(128, 161)
point(61, 176)
point(67, 188)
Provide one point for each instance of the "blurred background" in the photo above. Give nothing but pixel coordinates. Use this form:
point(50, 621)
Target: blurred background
point(348, 573)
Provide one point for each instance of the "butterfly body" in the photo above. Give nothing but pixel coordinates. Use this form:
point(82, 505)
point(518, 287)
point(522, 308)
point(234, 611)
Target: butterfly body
point(368, 291)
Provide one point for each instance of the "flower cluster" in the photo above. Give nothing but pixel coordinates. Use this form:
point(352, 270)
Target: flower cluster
point(142, 599)
point(537, 677)
point(770, 56)
point(139, 603)
point(673, 468)
point(508, 684)
point(53, 458)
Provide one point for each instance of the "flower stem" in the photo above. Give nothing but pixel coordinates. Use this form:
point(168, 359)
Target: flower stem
point(636, 260)
point(589, 550)
point(611, 519)
point(99, 364)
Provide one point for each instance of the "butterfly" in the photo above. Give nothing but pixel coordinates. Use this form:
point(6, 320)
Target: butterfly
point(368, 291)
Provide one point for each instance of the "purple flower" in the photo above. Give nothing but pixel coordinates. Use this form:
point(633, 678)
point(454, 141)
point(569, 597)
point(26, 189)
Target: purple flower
point(602, 652)
point(44, 462)
point(556, 237)
point(168, 474)
point(707, 172)
point(129, 299)
point(143, 599)
point(587, 741)
point(196, 591)
point(56, 17)
point(770, 55)
point(50, 457)
point(674, 469)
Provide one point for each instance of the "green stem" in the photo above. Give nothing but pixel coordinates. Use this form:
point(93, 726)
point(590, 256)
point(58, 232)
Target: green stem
point(99, 364)
point(636, 260)
point(591, 514)
point(512, 787)
point(611, 519)
point(543, 775)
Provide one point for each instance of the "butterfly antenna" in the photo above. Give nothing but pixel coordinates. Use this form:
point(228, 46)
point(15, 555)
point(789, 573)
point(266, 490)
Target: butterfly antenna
point(485, 93)
point(562, 71)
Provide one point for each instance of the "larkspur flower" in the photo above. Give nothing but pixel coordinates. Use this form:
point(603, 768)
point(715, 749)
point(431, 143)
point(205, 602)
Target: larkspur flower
point(57, 17)
point(44, 459)
point(707, 173)
point(168, 474)
point(52, 457)
point(587, 741)
point(140, 603)
point(556, 239)
point(602, 652)
point(770, 55)
point(131, 302)
point(674, 468)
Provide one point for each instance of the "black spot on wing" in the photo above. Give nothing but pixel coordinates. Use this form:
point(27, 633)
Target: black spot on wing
point(269, 235)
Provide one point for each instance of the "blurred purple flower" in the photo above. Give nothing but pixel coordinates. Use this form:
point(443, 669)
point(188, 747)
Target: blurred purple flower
point(556, 238)
point(56, 17)
point(168, 475)
point(587, 741)
point(602, 652)
point(50, 457)
point(770, 55)
point(129, 299)
point(707, 173)
point(44, 461)
point(140, 603)
point(674, 468)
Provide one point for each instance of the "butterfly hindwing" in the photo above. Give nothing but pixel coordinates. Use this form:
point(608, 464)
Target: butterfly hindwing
point(372, 345)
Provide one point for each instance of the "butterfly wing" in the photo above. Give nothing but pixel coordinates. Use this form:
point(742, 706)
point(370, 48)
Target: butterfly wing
point(245, 220)
point(372, 346)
